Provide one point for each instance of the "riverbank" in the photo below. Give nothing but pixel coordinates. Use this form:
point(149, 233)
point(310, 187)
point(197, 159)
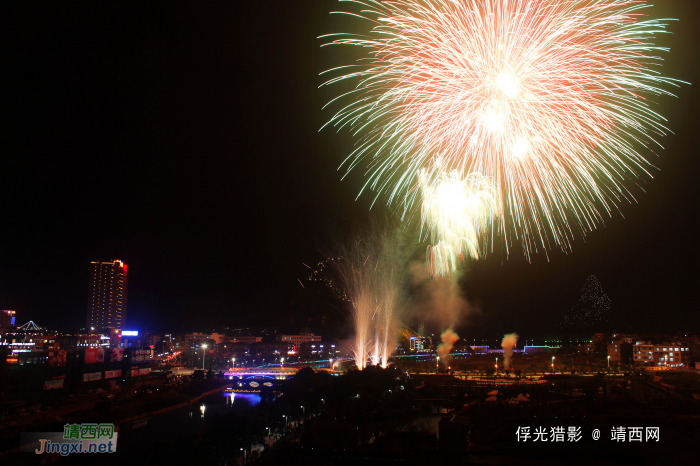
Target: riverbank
point(171, 408)
point(98, 408)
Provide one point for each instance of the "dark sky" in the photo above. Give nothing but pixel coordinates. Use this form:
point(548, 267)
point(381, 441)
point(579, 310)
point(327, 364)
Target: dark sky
point(184, 140)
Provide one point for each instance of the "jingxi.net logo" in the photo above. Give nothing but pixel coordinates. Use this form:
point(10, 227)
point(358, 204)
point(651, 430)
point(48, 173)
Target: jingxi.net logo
point(75, 438)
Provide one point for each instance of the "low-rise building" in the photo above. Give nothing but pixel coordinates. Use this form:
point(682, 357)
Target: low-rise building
point(196, 336)
point(298, 340)
point(620, 348)
point(20, 342)
point(319, 349)
point(587, 348)
point(242, 339)
point(418, 343)
point(660, 354)
point(344, 349)
point(538, 349)
point(82, 341)
point(272, 349)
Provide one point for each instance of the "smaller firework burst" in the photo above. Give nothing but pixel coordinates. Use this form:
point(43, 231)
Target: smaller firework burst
point(456, 215)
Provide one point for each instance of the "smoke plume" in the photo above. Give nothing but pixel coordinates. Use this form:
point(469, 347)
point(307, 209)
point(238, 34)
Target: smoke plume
point(449, 338)
point(508, 343)
point(437, 301)
point(441, 303)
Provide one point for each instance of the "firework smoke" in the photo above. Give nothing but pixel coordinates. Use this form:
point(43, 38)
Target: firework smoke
point(508, 343)
point(550, 100)
point(448, 338)
point(439, 302)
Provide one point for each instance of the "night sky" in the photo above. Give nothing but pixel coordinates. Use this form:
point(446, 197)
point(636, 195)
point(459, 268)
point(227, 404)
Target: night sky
point(184, 141)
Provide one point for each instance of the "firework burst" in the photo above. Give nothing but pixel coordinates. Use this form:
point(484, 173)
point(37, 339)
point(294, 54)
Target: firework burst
point(545, 98)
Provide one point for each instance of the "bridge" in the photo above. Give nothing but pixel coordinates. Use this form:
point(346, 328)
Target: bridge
point(272, 373)
point(256, 380)
point(279, 373)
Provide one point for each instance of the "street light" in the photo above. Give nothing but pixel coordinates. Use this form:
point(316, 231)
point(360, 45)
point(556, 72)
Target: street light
point(233, 362)
point(552, 363)
point(324, 403)
point(204, 355)
point(245, 456)
point(330, 363)
point(282, 361)
point(437, 365)
point(608, 361)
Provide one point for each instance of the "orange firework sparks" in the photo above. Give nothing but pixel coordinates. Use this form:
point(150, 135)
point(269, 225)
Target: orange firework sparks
point(546, 99)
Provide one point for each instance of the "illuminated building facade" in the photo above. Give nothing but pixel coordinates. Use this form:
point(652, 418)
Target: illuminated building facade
point(417, 343)
point(244, 340)
point(299, 339)
point(7, 320)
point(321, 350)
point(107, 295)
point(666, 354)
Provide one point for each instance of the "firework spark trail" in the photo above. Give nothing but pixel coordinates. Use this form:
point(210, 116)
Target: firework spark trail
point(363, 327)
point(370, 275)
point(386, 327)
point(547, 98)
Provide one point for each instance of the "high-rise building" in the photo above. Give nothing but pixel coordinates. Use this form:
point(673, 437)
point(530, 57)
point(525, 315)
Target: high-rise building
point(107, 295)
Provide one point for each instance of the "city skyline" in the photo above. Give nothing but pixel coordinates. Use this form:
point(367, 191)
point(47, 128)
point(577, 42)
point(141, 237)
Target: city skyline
point(350, 232)
point(221, 229)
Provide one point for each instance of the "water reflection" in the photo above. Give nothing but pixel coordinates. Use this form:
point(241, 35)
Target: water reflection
point(252, 398)
point(186, 422)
